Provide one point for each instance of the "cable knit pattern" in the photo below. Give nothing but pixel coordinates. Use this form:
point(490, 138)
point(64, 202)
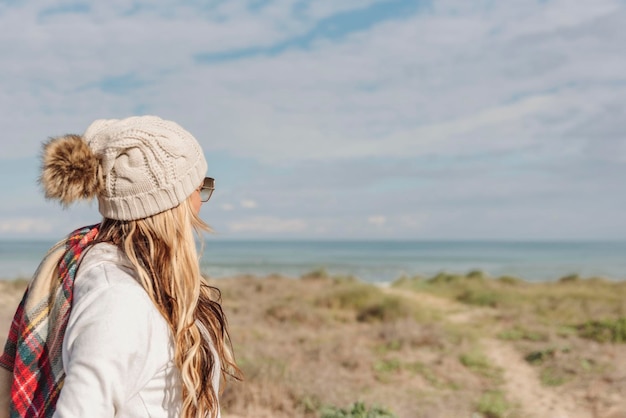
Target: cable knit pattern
point(149, 165)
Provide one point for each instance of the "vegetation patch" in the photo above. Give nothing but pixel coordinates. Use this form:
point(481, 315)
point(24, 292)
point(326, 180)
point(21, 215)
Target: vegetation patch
point(349, 296)
point(267, 367)
point(319, 273)
point(493, 404)
point(510, 280)
point(604, 331)
point(477, 362)
point(479, 297)
point(385, 368)
point(386, 309)
point(518, 333)
point(553, 376)
point(325, 340)
point(429, 375)
point(561, 302)
point(539, 356)
point(570, 278)
point(369, 302)
point(392, 345)
point(357, 410)
point(285, 312)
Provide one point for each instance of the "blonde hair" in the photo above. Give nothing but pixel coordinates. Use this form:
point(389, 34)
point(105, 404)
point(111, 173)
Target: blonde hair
point(163, 251)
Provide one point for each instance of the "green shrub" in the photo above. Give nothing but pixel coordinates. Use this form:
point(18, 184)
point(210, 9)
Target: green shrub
point(608, 330)
point(478, 363)
point(570, 278)
point(492, 404)
point(385, 368)
point(426, 372)
point(517, 333)
point(509, 280)
point(476, 274)
point(479, 297)
point(389, 308)
point(310, 403)
point(357, 410)
point(446, 278)
point(368, 301)
point(552, 376)
point(539, 356)
point(318, 273)
point(393, 345)
point(349, 296)
point(339, 279)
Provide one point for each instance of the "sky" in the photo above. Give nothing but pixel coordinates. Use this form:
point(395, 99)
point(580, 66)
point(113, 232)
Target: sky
point(368, 119)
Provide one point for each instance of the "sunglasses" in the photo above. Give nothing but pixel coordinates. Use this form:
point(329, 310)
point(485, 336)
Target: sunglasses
point(206, 190)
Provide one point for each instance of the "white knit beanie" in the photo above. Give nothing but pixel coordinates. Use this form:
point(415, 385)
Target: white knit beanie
point(148, 165)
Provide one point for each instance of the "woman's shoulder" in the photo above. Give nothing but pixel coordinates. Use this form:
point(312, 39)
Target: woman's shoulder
point(107, 297)
point(106, 287)
point(104, 267)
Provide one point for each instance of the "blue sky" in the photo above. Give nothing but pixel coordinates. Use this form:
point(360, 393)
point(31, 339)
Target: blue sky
point(368, 119)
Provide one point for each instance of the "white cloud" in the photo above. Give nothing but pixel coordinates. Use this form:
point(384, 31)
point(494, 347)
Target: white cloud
point(269, 225)
point(470, 102)
point(25, 225)
point(248, 203)
point(377, 220)
point(389, 91)
point(466, 98)
point(411, 221)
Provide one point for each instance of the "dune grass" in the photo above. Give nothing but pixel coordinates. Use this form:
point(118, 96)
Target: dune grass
point(570, 301)
point(327, 346)
point(553, 324)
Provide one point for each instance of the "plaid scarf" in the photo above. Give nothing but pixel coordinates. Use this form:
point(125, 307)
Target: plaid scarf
point(33, 349)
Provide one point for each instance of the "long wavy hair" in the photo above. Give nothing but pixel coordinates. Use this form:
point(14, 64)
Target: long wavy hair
point(163, 250)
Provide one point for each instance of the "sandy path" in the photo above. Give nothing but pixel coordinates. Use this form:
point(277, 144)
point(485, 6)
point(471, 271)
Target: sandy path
point(522, 384)
point(521, 381)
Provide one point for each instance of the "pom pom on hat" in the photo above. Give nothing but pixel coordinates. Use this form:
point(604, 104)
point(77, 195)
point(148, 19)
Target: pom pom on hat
point(70, 170)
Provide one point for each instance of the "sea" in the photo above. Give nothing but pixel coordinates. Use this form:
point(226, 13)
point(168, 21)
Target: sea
point(377, 261)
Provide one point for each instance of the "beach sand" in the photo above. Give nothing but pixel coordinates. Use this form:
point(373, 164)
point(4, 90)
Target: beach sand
point(319, 342)
point(10, 295)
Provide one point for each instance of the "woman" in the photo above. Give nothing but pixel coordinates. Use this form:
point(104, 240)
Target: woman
point(118, 321)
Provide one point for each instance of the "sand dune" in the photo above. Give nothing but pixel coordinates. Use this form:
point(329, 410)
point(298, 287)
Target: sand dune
point(320, 342)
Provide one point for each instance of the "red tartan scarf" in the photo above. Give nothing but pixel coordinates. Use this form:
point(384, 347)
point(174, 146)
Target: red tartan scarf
point(33, 349)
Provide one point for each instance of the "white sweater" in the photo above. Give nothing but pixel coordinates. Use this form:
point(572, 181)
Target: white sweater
point(118, 350)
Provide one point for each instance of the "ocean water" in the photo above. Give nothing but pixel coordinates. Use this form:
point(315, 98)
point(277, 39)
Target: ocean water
point(378, 261)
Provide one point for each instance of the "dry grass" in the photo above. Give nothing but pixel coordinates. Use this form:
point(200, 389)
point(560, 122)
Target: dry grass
point(571, 331)
point(420, 348)
point(319, 341)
